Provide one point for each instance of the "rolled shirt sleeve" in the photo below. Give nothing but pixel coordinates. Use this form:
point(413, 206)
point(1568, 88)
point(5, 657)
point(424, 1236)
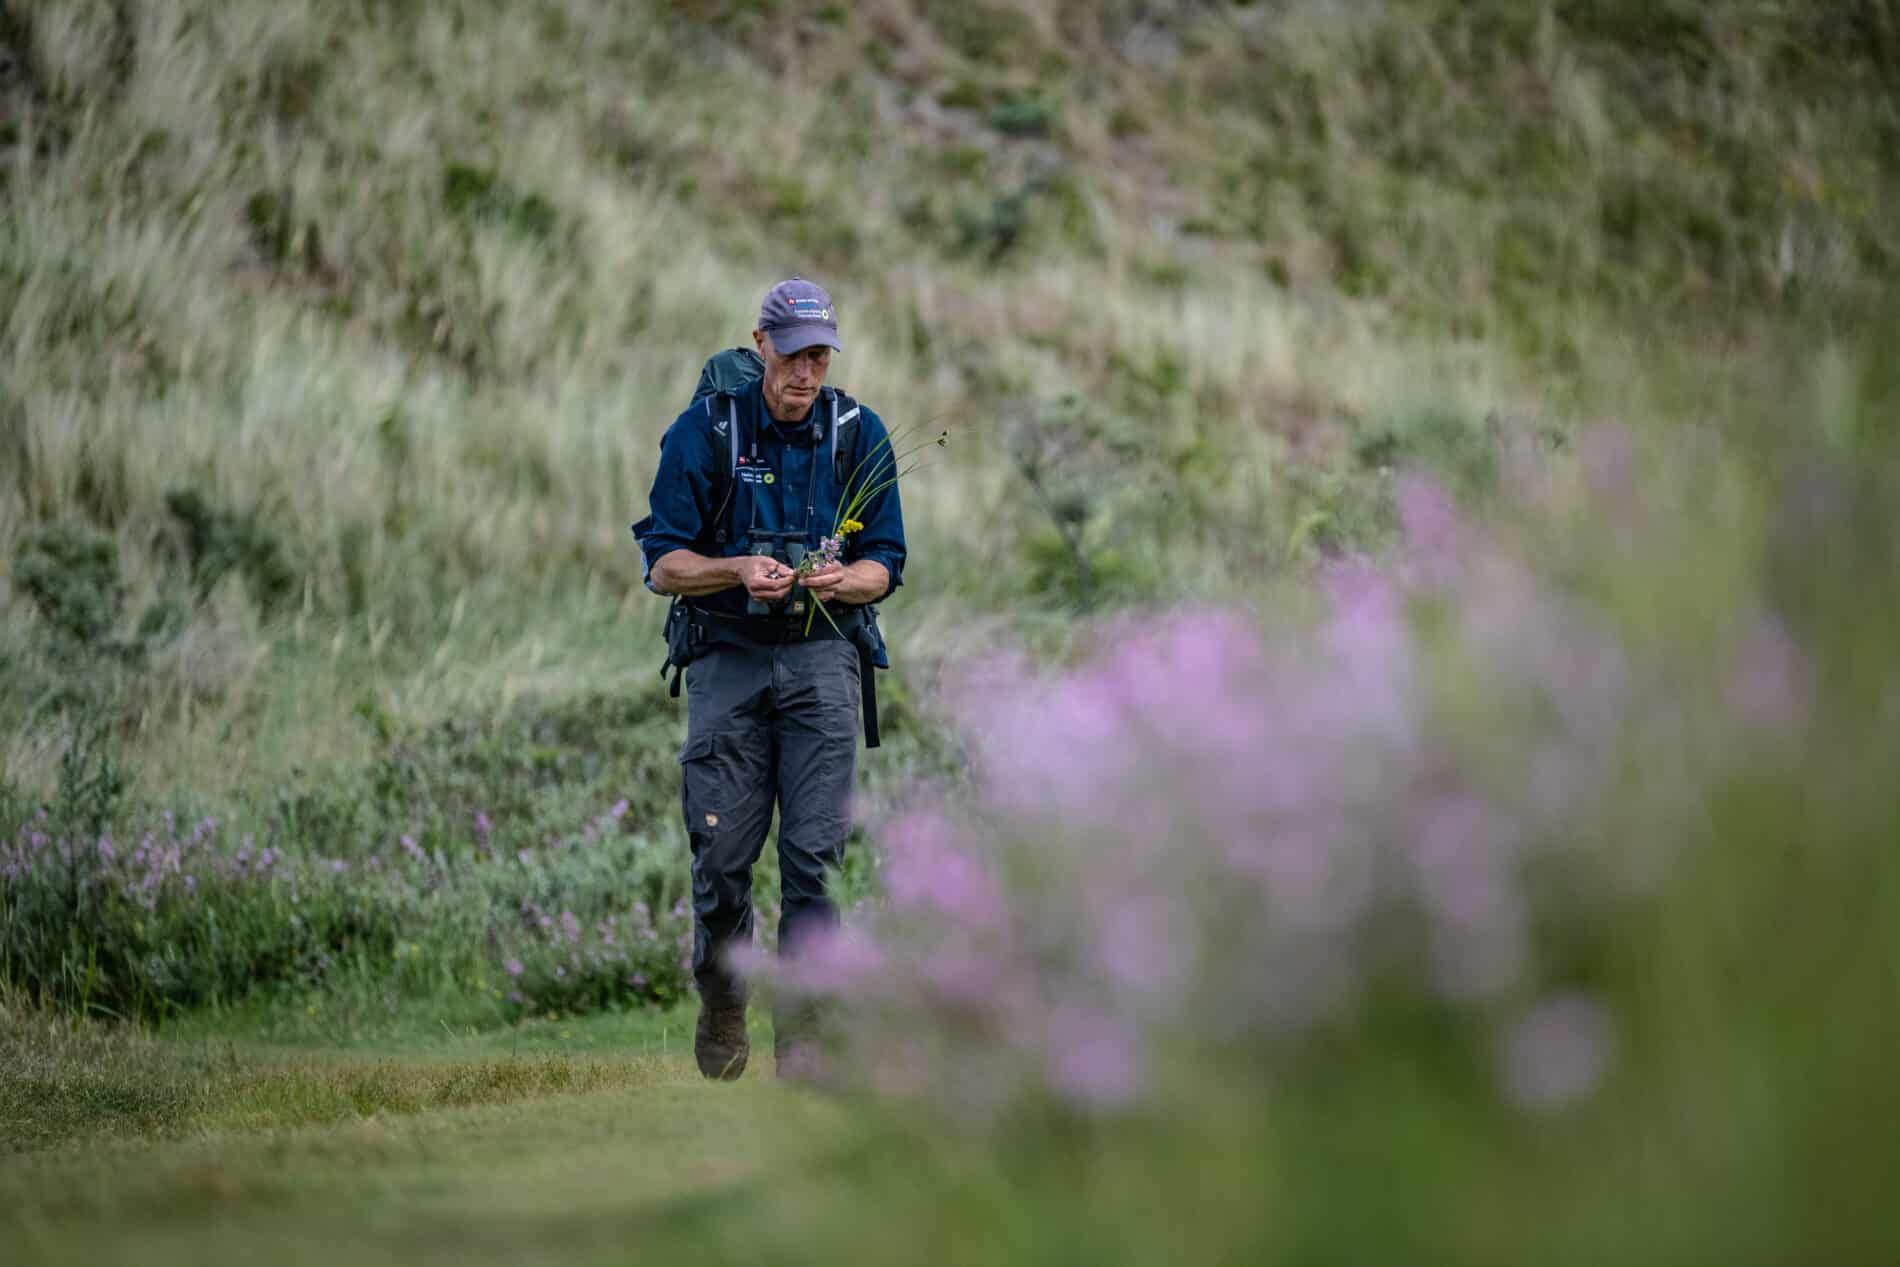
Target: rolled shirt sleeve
point(681, 499)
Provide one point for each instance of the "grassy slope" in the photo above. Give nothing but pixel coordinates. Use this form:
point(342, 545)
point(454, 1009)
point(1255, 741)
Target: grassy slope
point(403, 296)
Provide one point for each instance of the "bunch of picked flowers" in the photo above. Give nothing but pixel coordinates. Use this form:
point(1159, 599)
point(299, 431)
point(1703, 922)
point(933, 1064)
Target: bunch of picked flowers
point(880, 469)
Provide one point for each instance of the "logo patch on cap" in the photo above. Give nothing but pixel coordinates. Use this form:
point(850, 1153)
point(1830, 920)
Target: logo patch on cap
point(810, 310)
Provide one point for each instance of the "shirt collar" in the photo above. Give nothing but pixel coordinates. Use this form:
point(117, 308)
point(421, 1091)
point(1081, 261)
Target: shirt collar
point(783, 431)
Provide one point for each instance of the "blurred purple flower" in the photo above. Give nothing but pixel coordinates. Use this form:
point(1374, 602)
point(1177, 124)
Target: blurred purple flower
point(1464, 853)
point(1767, 688)
point(1429, 519)
point(1145, 947)
point(1093, 1060)
point(1316, 879)
point(838, 960)
point(1609, 461)
point(1557, 1053)
point(965, 980)
point(924, 869)
point(514, 968)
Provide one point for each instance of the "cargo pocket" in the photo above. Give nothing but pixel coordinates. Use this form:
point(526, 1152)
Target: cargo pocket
point(709, 784)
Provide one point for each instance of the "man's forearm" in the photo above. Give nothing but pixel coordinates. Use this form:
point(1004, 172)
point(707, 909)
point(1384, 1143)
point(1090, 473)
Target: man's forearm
point(692, 575)
point(864, 582)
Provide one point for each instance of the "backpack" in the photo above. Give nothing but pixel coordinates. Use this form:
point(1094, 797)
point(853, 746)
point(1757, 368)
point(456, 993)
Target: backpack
point(721, 379)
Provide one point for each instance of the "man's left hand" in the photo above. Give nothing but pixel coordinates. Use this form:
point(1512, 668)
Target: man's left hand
point(862, 582)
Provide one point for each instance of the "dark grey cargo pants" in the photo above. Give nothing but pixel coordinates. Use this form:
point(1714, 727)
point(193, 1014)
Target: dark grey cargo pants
point(766, 725)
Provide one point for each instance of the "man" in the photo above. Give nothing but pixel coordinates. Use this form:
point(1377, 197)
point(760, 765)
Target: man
point(773, 690)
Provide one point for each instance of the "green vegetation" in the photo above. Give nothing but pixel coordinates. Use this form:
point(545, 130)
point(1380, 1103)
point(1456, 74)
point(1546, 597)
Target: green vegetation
point(65, 1084)
point(336, 340)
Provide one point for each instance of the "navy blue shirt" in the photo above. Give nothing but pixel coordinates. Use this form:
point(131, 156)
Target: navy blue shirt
point(784, 482)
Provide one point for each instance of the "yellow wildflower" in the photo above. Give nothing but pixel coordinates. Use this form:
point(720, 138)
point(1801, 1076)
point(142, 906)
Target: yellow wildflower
point(850, 525)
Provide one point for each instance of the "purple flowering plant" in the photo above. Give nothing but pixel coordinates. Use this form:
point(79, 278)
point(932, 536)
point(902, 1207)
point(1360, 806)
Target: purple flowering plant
point(1248, 833)
point(177, 914)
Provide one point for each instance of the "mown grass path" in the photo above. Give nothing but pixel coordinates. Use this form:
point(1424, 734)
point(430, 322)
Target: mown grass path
point(364, 1155)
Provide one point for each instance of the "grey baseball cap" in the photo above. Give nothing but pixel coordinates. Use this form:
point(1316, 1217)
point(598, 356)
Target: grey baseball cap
point(797, 314)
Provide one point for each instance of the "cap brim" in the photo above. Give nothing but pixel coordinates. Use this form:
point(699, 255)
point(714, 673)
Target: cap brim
point(792, 339)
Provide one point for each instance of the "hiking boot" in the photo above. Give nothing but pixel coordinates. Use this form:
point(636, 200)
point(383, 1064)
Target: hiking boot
point(719, 1041)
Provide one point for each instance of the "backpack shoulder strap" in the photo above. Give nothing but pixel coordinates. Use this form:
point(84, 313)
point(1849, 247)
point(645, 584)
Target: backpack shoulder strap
point(723, 376)
point(844, 433)
point(718, 403)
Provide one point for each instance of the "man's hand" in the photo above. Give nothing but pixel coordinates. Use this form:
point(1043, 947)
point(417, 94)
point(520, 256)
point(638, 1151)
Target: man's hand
point(766, 579)
point(863, 582)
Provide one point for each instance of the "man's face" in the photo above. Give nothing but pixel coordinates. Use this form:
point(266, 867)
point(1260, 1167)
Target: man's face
point(791, 382)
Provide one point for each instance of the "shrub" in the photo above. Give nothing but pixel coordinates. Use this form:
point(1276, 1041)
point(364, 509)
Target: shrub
point(182, 914)
point(1026, 114)
point(218, 542)
point(479, 194)
point(451, 855)
point(71, 572)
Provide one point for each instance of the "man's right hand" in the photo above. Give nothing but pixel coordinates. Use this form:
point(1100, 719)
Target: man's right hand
point(766, 579)
point(691, 575)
